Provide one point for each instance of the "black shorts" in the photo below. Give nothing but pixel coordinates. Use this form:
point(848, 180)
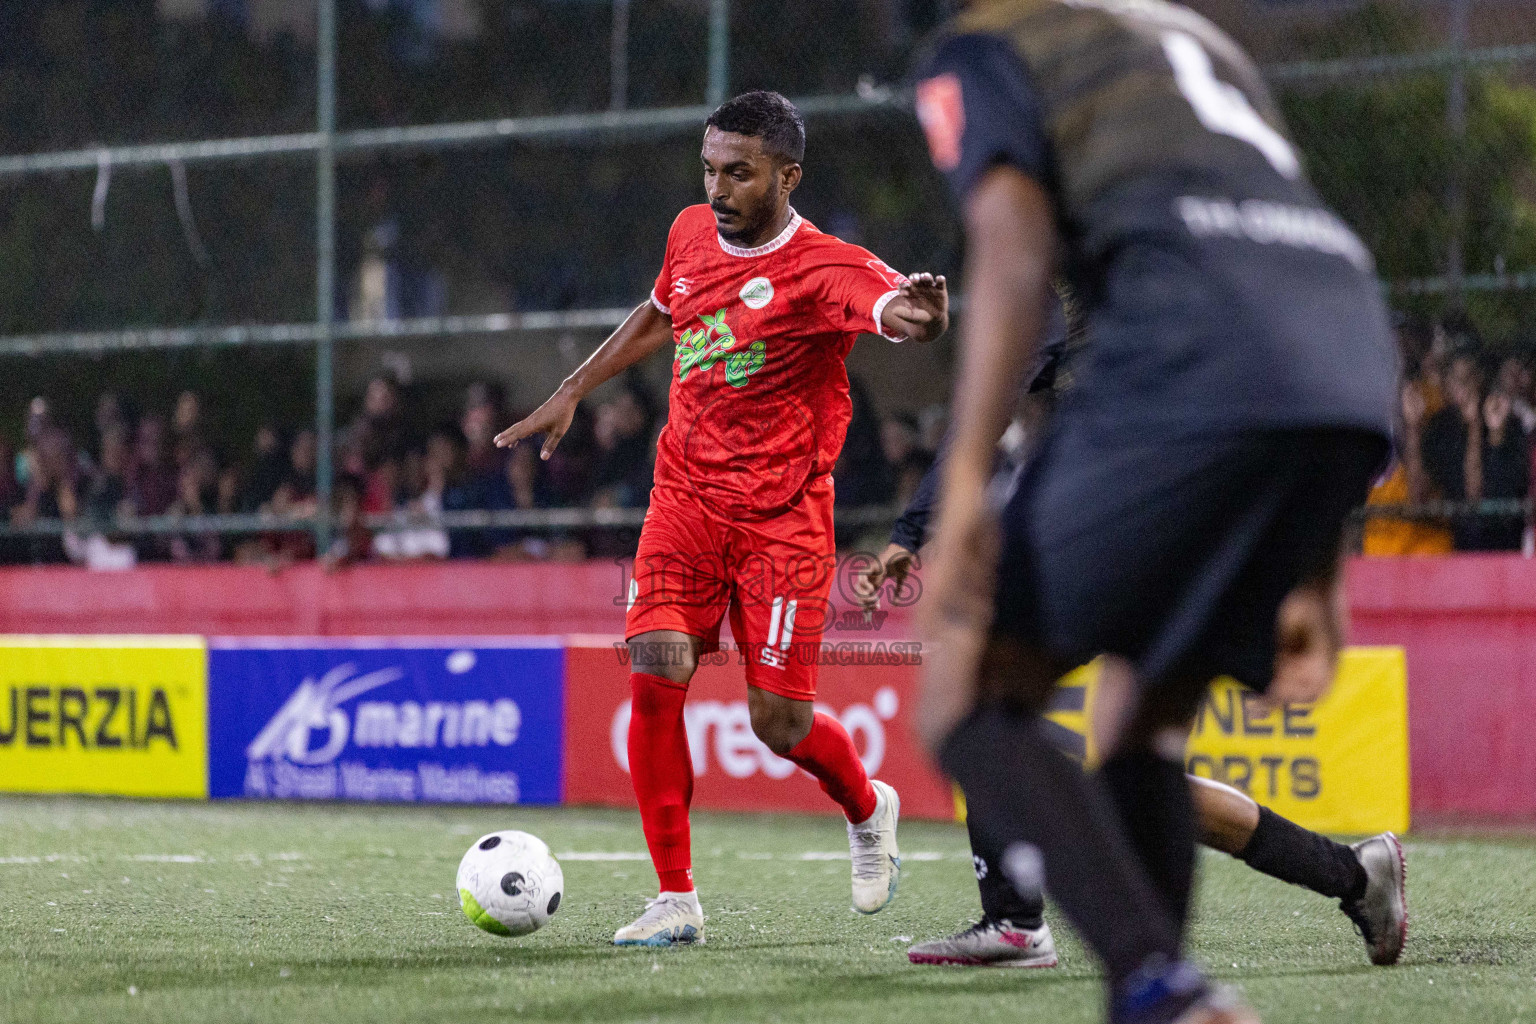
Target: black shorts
point(1175, 554)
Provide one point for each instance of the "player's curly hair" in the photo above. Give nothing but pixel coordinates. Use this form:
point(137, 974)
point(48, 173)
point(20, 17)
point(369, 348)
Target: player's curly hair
point(767, 116)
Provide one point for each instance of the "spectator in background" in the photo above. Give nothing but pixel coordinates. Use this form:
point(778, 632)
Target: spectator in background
point(188, 440)
point(50, 493)
point(152, 482)
point(484, 475)
point(480, 483)
point(39, 420)
point(376, 292)
point(12, 549)
point(525, 492)
point(268, 467)
point(1516, 380)
point(1421, 351)
point(10, 493)
point(379, 429)
point(295, 496)
point(428, 472)
point(197, 491)
point(622, 440)
point(1406, 483)
point(106, 493)
point(569, 471)
point(622, 433)
point(353, 542)
point(1473, 450)
point(1505, 473)
point(109, 414)
point(862, 475)
point(384, 488)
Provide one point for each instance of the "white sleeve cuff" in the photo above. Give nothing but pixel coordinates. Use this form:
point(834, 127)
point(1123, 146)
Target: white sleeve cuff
point(880, 305)
point(657, 303)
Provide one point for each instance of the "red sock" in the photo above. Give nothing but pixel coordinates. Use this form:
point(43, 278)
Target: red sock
point(828, 753)
point(662, 773)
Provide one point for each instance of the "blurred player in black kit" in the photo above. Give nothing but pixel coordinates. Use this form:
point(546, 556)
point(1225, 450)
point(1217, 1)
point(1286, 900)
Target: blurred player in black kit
point(1367, 878)
point(1185, 512)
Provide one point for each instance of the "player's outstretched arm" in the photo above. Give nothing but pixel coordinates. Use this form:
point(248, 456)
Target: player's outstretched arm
point(1010, 252)
point(643, 332)
point(920, 310)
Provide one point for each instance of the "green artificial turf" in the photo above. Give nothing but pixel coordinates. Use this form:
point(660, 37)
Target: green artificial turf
point(123, 911)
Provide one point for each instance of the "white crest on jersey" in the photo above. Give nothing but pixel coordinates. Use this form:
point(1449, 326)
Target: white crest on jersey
point(757, 293)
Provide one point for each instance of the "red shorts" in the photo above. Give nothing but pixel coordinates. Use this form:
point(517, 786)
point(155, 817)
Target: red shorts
point(774, 577)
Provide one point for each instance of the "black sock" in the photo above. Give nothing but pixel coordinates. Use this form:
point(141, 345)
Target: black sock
point(1039, 817)
point(1000, 901)
point(1158, 815)
point(1284, 850)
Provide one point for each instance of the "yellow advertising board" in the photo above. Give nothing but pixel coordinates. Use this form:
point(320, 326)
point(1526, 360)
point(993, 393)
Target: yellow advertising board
point(112, 715)
point(1340, 765)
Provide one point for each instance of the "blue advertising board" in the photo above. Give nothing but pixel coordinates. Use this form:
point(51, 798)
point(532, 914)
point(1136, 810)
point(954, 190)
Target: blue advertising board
point(409, 720)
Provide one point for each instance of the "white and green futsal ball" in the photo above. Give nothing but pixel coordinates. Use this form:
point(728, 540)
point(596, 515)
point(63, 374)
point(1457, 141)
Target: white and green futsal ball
point(509, 884)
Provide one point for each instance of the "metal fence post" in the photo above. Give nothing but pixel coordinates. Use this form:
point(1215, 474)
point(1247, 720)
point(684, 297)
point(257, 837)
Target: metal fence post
point(719, 52)
point(325, 270)
point(1456, 127)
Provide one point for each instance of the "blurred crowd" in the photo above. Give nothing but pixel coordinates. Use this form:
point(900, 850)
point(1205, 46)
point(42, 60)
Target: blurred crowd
point(1466, 433)
point(394, 477)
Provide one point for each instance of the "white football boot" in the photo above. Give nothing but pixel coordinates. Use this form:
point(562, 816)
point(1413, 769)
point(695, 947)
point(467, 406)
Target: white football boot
point(671, 919)
point(989, 944)
point(872, 848)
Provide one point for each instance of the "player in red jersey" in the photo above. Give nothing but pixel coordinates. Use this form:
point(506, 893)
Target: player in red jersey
point(762, 309)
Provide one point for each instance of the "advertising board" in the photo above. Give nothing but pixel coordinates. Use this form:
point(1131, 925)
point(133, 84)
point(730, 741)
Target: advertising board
point(477, 721)
point(732, 769)
point(109, 715)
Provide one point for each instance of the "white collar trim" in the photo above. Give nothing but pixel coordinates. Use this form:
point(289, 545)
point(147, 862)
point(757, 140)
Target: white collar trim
point(795, 220)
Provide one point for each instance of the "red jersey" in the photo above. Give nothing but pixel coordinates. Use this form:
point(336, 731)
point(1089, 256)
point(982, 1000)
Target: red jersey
point(759, 399)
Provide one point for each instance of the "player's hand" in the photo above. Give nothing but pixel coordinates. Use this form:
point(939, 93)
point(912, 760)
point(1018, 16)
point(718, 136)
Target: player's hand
point(552, 419)
point(921, 308)
point(1310, 626)
point(894, 564)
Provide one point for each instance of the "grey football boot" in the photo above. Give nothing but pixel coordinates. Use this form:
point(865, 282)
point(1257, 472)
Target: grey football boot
point(1381, 912)
point(989, 944)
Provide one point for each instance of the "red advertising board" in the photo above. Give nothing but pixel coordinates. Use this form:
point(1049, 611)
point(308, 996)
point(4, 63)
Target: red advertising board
point(1468, 624)
point(732, 769)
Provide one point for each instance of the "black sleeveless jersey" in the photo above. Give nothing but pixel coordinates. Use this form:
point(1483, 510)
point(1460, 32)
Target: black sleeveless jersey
point(1217, 290)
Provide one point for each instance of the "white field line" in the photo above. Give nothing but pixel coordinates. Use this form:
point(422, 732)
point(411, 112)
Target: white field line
point(809, 855)
point(571, 855)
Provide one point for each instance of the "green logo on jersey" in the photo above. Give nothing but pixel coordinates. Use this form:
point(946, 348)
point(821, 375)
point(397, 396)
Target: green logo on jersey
point(703, 347)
